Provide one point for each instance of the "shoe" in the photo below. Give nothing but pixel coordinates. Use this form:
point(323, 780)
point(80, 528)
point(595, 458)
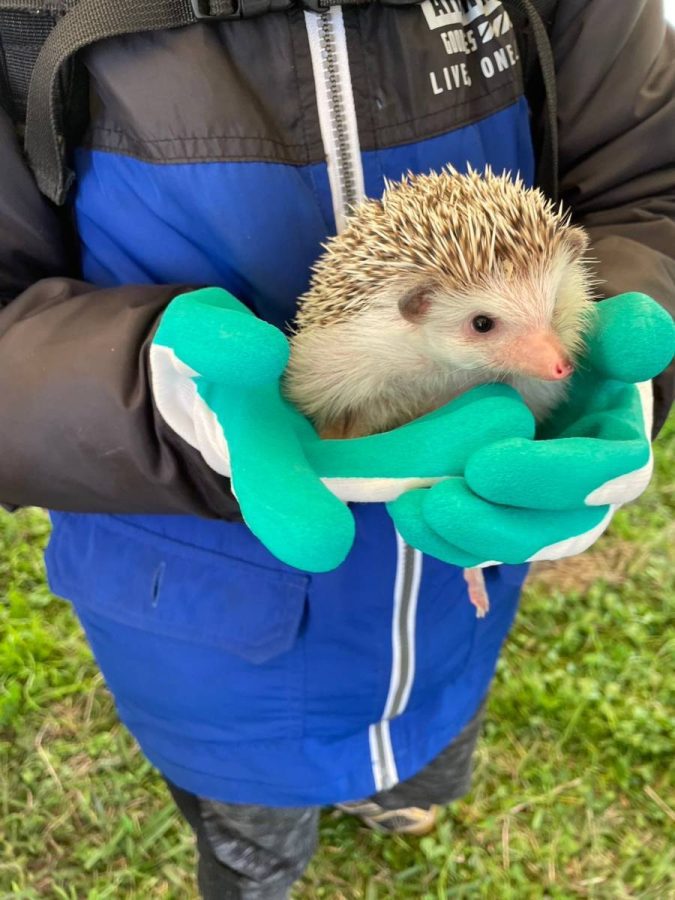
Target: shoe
point(411, 820)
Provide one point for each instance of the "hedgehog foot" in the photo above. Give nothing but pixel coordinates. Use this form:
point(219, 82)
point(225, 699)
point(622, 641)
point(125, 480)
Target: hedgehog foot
point(478, 595)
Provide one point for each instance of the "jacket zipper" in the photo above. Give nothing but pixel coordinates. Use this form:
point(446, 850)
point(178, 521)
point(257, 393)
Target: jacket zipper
point(339, 131)
point(337, 116)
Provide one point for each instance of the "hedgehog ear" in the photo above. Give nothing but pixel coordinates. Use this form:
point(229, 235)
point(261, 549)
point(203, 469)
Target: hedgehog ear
point(576, 241)
point(416, 303)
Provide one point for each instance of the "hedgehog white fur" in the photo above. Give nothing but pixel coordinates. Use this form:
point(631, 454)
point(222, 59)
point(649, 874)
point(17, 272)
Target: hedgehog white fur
point(448, 282)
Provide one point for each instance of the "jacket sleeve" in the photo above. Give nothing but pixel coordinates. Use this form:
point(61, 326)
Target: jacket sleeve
point(615, 66)
point(79, 430)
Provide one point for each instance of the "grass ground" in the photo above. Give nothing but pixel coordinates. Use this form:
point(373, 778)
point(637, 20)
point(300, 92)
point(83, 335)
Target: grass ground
point(573, 792)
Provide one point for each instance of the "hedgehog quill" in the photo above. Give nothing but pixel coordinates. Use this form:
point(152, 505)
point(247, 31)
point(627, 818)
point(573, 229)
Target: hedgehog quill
point(448, 282)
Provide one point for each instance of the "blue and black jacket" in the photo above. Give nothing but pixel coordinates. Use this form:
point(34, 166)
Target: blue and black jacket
point(225, 154)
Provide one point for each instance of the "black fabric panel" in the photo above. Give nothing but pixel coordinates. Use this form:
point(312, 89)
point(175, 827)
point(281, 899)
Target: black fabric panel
point(414, 81)
point(239, 90)
point(32, 242)
point(617, 145)
point(244, 90)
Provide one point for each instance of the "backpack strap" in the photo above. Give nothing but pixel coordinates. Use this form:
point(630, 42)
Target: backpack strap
point(538, 16)
point(24, 27)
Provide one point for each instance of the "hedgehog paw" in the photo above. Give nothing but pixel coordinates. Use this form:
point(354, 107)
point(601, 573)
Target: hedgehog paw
point(478, 595)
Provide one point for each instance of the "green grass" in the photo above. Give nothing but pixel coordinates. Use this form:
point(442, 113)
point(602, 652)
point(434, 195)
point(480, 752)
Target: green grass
point(573, 792)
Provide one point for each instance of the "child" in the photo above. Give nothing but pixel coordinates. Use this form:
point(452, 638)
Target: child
point(223, 153)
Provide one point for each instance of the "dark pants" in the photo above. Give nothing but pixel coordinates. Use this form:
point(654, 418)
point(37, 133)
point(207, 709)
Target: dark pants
point(257, 852)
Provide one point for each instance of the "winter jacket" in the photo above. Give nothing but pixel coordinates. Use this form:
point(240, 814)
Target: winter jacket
point(225, 154)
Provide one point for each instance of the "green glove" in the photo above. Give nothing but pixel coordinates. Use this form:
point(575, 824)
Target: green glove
point(522, 499)
point(215, 372)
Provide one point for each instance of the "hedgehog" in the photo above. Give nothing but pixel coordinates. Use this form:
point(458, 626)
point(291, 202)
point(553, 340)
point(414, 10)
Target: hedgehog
point(448, 282)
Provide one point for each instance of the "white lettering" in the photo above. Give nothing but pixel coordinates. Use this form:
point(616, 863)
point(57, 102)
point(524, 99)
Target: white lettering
point(445, 13)
point(455, 42)
point(434, 84)
point(453, 77)
point(501, 60)
point(486, 67)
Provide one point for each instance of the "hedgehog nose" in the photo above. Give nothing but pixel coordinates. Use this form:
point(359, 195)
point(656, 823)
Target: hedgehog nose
point(542, 355)
point(563, 369)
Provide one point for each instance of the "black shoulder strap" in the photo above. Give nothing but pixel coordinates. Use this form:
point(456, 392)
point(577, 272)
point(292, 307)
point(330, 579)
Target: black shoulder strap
point(24, 27)
point(538, 16)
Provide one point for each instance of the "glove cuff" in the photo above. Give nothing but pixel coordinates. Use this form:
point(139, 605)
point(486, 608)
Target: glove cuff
point(180, 404)
point(627, 487)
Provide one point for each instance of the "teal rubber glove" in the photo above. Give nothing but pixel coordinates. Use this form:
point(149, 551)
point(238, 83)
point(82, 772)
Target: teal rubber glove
point(215, 371)
point(215, 374)
point(521, 499)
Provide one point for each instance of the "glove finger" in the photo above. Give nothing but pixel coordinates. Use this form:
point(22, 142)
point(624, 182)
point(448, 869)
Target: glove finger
point(632, 339)
point(601, 408)
point(220, 339)
point(282, 500)
point(483, 529)
point(563, 474)
point(408, 516)
point(433, 446)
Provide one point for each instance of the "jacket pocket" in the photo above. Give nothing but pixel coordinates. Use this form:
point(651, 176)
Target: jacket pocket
point(200, 650)
point(147, 581)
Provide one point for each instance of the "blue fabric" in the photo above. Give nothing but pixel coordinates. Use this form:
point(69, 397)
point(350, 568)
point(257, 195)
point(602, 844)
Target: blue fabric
point(249, 682)
point(252, 228)
point(242, 679)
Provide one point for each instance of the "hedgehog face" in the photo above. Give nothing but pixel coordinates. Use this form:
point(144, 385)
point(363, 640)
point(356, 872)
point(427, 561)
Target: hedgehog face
point(522, 324)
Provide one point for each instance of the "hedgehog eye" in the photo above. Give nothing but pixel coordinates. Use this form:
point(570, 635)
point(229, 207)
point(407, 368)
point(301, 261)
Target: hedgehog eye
point(482, 324)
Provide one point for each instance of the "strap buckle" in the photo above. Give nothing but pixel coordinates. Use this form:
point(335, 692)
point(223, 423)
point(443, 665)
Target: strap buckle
point(212, 10)
point(322, 6)
point(204, 9)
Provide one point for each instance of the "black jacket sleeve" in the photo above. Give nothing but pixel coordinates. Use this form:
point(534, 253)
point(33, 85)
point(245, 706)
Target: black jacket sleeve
point(615, 66)
point(78, 427)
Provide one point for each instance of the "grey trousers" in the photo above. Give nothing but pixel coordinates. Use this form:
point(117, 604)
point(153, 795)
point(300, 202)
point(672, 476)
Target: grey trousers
point(257, 852)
